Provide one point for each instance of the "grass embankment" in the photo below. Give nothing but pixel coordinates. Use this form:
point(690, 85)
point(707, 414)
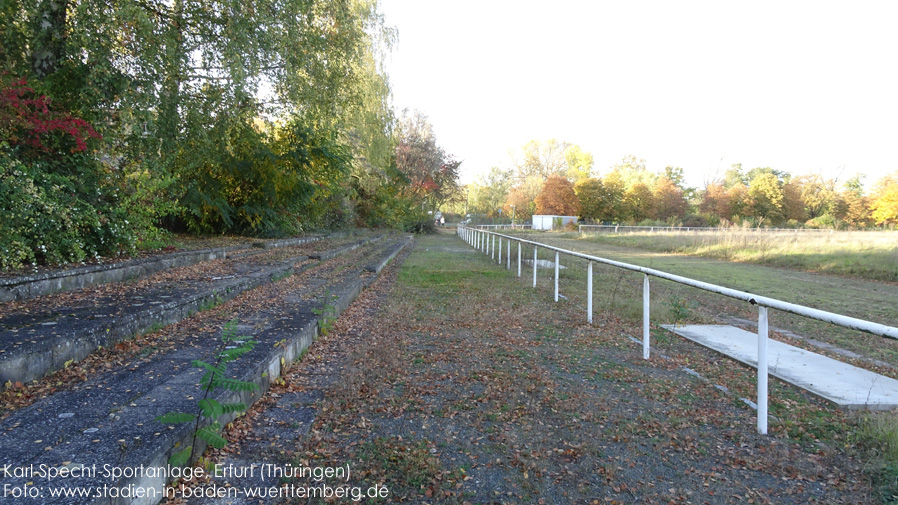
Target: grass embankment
point(859, 254)
point(470, 386)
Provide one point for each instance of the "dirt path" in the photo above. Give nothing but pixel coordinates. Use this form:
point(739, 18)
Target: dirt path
point(452, 382)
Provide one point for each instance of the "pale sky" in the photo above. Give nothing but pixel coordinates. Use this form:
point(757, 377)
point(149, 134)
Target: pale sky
point(801, 86)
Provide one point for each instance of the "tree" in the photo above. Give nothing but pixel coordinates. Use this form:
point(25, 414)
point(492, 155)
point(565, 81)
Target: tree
point(734, 176)
point(818, 196)
point(854, 205)
point(431, 172)
point(490, 191)
point(669, 202)
point(551, 157)
point(884, 200)
point(579, 163)
point(676, 175)
point(591, 198)
point(557, 198)
point(794, 208)
point(638, 202)
point(716, 201)
point(614, 197)
point(766, 195)
point(632, 170)
point(176, 87)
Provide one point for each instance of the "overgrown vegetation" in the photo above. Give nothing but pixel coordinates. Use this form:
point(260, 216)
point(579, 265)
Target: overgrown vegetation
point(123, 121)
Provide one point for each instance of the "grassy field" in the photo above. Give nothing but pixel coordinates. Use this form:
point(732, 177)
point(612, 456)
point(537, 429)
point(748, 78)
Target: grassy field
point(859, 254)
point(620, 292)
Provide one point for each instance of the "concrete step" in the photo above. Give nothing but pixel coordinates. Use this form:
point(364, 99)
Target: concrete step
point(25, 287)
point(845, 385)
point(108, 422)
point(41, 337)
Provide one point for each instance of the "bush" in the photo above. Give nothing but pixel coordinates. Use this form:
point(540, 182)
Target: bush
point(697, 221)
point(59, 202)
point(420, 224)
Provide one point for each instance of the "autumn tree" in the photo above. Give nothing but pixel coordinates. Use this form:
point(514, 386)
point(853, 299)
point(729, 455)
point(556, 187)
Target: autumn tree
point(884, 201)
point(766, 194)
point(523, 197)
point(669, 202)
point(794, 208)
point(591, 198)
point(557, 197)
point(638, 202)
point(715, 201)
point(431, 172)
point(632, 170)
point(551, 157)
point(614, 190)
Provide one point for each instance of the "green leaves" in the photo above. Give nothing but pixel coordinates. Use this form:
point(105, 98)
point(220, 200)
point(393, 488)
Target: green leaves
point(210, 409)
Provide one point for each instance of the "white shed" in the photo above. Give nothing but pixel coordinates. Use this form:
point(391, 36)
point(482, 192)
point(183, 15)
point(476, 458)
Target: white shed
point(546, 222)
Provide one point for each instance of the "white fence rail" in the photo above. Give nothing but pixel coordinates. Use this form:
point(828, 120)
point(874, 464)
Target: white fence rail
point(614, 228)
point(485, 241)
point(501, 226)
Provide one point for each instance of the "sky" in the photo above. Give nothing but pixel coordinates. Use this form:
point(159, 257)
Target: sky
point(800, 86)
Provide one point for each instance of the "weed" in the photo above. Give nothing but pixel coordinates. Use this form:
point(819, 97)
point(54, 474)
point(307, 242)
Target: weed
point(400, 462)
point(679, 309)
point(210, 304)
point(232, 348)
point(327, 312)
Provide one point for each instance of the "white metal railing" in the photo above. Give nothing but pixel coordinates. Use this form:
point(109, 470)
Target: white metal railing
point(485, 241)
point(502, 226)
point(615, 228)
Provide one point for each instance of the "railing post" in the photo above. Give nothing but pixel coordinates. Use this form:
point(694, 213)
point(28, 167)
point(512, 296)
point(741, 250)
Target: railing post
point(508, 255)
point(535, 249)
point(519, 258)
point(762, 370)
point(645, 318)
point(493, 247)
point(556, 275)
point(500, 250)
point(589, 292)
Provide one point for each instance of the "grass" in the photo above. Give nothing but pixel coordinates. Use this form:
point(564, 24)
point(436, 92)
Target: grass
point(620, 292)
point(858, 254)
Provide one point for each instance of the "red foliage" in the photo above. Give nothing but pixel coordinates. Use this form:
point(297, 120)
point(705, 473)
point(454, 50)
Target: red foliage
point(28, 118)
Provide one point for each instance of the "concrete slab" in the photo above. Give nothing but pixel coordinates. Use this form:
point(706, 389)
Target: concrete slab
point(846, 385)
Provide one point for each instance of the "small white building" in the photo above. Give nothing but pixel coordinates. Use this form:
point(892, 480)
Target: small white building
point(546, 222)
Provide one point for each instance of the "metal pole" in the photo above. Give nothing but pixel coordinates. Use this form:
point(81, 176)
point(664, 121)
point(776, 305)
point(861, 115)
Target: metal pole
point(519, 258)
point(645, 317)
point(535, 249)
point(500, 250)
point(493, 248)
point(556, 275)
point(508, 255)
point(589, 292)
point(762, 370)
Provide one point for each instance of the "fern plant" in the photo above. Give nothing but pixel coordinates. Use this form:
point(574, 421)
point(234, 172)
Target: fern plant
point(232, 348)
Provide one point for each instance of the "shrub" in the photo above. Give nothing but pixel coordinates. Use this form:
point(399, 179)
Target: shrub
point(59, 202)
